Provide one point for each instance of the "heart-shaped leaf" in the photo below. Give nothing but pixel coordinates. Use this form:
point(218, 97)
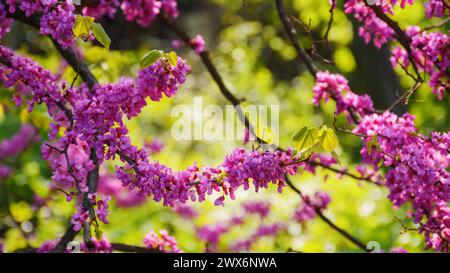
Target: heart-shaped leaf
point(150, 58)
point(101, 35)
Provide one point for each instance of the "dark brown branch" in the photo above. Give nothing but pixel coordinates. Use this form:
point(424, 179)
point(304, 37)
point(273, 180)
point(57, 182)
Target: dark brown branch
point(115, 246)
point(68, 237)
point(362, 178)
point(135, 249)
point(343, 232)
point(405, 97)
point(307, 60)
point(213, 72)
point(303, 56)
point(401, 35)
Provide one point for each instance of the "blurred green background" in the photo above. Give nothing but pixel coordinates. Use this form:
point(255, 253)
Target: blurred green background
point(251, 51)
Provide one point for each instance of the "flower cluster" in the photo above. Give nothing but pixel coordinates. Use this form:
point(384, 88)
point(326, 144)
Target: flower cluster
point(86, 213)
point(57, 18)
point(97, 113)
point(70, 174)
point(161, 78)
point(262, 231)
point(144, 12)
point(47, 246)
point(123, 197)
point(98, 246)
point(260, 208)
point(335, 86)
point(429, 51)
point(18, 142)
point(239, 169)
point(212, 234)
point(436, 8)
point(5, 22)
point(58, 23)
point(198, 44)
point(30, 79)
point(431, 54)
point(154, 146)
point(162, 242)
point(373, 28)
point(417, 169)
point(185, 211)
point(16, 145)
point(104, 7)
point(309, 206)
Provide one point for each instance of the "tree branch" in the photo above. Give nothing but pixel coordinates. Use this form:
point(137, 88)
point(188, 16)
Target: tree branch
point(83, 70)
point(307, 60)
point(325, 219)
point(135, 249)
point(227, 94)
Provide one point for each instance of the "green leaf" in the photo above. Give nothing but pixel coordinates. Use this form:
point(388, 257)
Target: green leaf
point(299, 133)
point(101, 35)
point(305, 138)
point(335, 155)
point(98, 234)
point(369, 147)
point(328, 139)
point(172, 57)
point(150, 57)
point(373, 142)
point(83, 26)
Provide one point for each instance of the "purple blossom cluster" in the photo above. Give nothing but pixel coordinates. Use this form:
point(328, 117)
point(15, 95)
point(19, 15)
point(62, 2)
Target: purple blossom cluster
point(79, 165)
point(5, 22)
point(58, 22)
point(15, 145)
point(335, 86)
point(186, 211)
point(5, 172)
point(429, 51)
point(265, 230)
point(144, 12)
point(104, 7)
point(96, 119)
point(123, 197)
point(162, 242)
point(84, 215)
point(213, 233)
point(260, 208)
point(417, 170)
point(431, 54)
point(57, 18)
point(436, 8)
point(310, 205)
point(30, 81)
point(161, 78)
point(98, 246)
point(47, 246)
point(373, 28)
point(197, 44)
point(155, 146)
point(238, 170)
